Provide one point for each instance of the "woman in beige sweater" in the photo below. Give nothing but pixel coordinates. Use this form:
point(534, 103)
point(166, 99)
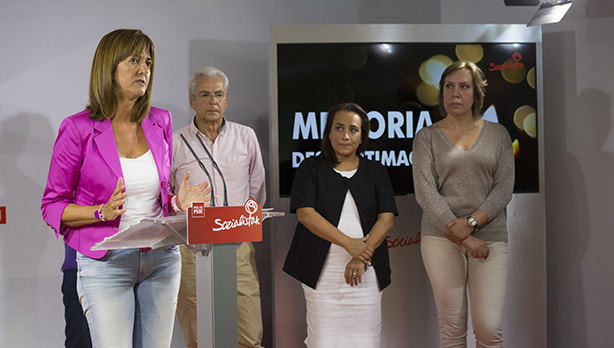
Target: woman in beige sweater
point(463, 169)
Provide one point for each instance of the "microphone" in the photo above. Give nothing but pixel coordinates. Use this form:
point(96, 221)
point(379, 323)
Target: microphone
point(202, 166)
point(217, 168)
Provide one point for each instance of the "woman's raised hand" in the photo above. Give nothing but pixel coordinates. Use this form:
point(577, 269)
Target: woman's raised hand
point(192, 193)
point(114, 207)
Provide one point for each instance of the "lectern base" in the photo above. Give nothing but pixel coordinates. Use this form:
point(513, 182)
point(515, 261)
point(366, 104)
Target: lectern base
point(216, 286)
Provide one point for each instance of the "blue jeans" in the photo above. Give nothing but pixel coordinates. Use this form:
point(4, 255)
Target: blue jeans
point(129, 297)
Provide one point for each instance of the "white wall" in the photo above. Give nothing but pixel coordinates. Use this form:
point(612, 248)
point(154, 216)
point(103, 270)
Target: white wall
point(580, 168)
point(45, 55)
point(579, 163)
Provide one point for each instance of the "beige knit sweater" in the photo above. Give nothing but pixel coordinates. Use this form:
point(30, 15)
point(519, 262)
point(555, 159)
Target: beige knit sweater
point(451, 183)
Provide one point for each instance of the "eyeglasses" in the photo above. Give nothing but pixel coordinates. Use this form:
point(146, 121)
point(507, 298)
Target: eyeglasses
point(206, 96)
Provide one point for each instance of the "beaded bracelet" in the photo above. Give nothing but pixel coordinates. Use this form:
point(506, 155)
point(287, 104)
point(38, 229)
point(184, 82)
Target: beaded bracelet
point(174, 203)
point(99, 215)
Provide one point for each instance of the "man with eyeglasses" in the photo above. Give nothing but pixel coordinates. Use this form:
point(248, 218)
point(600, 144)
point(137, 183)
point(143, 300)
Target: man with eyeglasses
point(236, 150)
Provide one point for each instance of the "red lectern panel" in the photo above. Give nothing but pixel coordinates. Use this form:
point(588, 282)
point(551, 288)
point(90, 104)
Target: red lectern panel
point(210, 225)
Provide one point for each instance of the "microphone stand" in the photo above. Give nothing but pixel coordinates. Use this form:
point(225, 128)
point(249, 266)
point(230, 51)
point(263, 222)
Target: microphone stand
point(202, 166)
point(217, 168)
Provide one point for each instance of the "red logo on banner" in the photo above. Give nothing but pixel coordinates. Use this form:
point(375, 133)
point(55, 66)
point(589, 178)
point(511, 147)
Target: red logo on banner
point(404, 241)
point(225, 224)
point(514, 63)
point(198, 209)
point(2, 215)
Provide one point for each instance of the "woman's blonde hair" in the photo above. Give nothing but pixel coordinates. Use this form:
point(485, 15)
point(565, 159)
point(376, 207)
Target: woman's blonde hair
point(479, 86)
point(104, 91)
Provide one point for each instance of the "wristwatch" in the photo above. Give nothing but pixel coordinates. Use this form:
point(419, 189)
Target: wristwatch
point(473, 222)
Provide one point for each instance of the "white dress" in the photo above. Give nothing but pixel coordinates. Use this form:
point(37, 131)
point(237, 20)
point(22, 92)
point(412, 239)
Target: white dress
point(338, 315)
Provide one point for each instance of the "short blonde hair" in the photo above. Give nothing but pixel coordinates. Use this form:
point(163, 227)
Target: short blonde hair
point(104, 91)
point(479, 86)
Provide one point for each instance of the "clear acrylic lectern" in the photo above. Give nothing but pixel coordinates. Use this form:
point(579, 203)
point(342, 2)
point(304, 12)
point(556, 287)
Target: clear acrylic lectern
point(216, 273)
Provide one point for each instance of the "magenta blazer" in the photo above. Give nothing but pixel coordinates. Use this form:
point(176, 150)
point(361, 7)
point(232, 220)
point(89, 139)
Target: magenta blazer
point(84, 170)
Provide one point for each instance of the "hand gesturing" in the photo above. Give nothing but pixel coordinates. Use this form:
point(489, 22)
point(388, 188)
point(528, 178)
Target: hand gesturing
point(192, 193)
point(111, 210)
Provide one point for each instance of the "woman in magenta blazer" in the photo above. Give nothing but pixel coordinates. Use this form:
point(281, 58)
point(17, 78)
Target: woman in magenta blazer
point(109, 169)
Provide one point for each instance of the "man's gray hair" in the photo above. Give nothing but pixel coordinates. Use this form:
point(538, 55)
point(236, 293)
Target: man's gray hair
point(209, 71)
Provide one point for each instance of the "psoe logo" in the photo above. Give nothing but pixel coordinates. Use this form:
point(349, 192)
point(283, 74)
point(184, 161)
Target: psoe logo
point(514, 63)
point(198, 209)
point(251, 207)
point(2, 215)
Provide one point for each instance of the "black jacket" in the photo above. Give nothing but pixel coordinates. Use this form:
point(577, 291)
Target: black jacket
point(318, 186)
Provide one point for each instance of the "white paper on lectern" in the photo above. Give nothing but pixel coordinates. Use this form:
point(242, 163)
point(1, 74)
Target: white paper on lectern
point(148, 233)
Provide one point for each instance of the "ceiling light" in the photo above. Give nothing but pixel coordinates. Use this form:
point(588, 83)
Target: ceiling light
point(521, 2)
point(550, 13)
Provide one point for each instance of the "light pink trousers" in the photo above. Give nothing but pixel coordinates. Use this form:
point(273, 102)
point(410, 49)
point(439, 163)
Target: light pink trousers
point(452, 271)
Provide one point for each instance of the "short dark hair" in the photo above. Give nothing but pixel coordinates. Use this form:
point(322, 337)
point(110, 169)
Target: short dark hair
point(104, 92)
point(365, 126)
point(479, 86)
